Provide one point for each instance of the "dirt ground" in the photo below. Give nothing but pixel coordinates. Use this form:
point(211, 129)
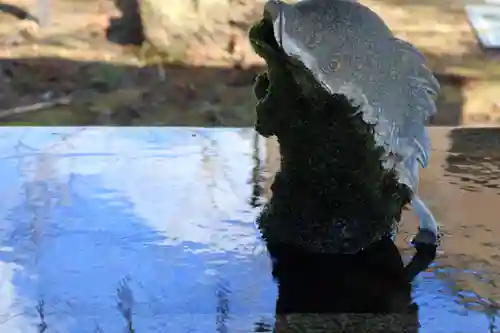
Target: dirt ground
point(73, 72)
point(98, 81)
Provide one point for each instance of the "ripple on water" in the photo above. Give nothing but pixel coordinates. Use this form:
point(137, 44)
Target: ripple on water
point(155, 232)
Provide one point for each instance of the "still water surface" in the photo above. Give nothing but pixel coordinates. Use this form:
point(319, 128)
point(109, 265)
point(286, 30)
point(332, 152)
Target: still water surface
point(151, 230)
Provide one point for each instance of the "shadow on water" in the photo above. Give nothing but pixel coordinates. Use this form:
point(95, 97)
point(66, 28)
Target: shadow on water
point(474, 159)
point(462, 284)
point(347, 293)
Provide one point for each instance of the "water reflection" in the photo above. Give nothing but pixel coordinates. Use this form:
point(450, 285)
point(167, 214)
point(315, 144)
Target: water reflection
point(151, 230)
point(369, 291)
point(474, 159)
point(152, 223)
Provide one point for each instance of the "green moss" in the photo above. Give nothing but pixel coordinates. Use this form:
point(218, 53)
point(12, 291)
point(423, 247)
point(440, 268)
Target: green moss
point(105, 78)
point(332, 193)
point(18, 123)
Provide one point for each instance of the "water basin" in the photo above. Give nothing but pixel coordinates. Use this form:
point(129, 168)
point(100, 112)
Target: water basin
point(152, 230)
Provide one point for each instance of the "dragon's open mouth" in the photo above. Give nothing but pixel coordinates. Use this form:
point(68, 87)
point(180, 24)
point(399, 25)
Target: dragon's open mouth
point(262, 37)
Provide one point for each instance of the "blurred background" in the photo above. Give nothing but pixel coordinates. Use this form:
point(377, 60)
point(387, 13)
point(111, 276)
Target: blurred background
point(178, 62)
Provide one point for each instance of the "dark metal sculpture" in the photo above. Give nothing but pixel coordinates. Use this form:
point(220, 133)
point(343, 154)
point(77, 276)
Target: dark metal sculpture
point(347, 102)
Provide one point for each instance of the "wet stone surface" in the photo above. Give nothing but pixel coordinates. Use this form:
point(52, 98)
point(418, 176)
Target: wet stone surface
point(152, 230)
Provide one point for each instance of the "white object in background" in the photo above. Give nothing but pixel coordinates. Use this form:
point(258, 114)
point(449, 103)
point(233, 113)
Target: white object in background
point(485, 19)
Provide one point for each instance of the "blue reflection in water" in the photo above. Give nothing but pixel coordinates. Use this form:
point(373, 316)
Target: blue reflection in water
point(443, 311)
point(145, 233)
point(103, 228)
